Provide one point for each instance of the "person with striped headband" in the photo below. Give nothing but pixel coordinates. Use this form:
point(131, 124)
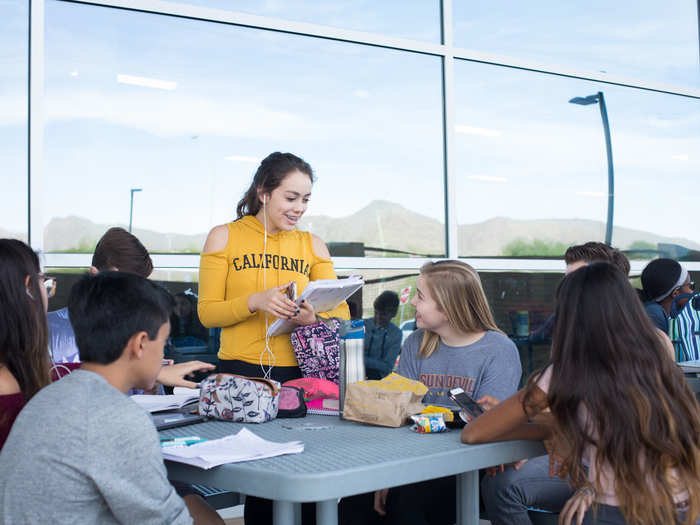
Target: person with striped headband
point(662, 281)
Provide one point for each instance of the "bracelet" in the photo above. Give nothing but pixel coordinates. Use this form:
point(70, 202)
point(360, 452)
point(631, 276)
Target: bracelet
point(586, 491)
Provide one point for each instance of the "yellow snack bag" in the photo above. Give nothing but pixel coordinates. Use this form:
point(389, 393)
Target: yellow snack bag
point(447, 414)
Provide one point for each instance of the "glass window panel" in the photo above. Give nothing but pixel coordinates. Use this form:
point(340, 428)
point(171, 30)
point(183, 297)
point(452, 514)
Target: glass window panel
point(14, 33)
point(518, 300)
point(656, 41)
point(521, 303)
point(656, 145)
point(189, 339)
point(532, 168)
point(184, 110)
point(413, 19)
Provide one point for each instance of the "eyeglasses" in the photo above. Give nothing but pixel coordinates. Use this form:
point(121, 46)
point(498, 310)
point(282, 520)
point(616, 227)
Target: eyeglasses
point(50, 284)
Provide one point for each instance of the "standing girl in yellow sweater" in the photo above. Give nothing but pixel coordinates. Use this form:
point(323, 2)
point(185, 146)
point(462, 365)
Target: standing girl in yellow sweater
point(247, 265)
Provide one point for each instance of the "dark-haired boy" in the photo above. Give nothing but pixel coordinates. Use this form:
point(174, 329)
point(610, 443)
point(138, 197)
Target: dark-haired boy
point(117, 250)
point(81, 451)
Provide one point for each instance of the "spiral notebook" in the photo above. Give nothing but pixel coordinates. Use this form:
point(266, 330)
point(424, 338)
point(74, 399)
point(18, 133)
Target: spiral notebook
point(323, 407)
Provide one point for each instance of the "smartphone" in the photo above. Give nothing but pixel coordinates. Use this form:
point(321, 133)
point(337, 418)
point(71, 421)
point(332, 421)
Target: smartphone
point(467, 403)
point(291, 291)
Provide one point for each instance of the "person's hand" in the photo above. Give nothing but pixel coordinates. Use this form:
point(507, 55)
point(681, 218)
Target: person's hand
point(487, 402)
point(306, 314)
point(174, 375)
point(493, 471)
point(380, 501)
point(576, 506)
point(274, 301)
point(556, 460)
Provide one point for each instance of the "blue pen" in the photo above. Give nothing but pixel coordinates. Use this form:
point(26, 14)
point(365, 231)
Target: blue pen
point(181, 441)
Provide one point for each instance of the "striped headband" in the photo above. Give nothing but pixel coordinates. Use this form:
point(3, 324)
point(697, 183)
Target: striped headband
point(679, 283)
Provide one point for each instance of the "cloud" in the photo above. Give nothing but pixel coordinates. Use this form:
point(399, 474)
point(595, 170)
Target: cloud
point(471, 130)
point(595, 194)
point(13, 109)
point(243, 158)
point(487, 178)
point(361, 93)
point(154, 83)
point(174, 114)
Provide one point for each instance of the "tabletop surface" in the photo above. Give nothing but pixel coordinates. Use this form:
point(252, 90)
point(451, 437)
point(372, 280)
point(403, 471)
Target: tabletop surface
point(341, 458)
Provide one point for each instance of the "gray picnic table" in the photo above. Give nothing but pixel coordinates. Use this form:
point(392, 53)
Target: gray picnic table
point(343, 458)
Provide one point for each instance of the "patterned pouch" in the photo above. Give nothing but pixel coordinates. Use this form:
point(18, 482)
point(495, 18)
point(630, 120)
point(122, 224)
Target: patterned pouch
point(240, 399)
point(316, 347)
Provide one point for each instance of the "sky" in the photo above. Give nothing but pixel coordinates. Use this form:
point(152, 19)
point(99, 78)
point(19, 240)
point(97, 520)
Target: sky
point(369, 120)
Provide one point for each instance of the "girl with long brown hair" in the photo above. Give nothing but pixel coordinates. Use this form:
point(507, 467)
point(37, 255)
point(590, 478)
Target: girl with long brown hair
point(625, 419)
point(24, 354)
point(457, 345)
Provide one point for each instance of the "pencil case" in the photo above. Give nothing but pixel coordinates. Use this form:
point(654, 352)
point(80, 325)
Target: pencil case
point(240, 399)
point(292, 402)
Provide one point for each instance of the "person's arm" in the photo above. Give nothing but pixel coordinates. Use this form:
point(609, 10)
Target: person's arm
point(213, 308)
point(508, 420)
point(323, 269)
point(174, 375)
point(668, 345)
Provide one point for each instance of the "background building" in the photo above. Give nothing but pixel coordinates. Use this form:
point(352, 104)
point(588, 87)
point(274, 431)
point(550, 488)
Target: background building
point(436, 129)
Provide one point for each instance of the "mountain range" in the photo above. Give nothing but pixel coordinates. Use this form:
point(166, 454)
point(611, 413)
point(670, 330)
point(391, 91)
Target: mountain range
point(380, 224)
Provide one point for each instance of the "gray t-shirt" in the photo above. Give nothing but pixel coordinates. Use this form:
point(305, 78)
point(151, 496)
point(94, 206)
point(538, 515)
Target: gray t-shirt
point(489, 366)
point(82, 452)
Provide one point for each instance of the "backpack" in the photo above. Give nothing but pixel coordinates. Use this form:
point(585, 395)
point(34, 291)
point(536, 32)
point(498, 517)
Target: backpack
point(684, 327)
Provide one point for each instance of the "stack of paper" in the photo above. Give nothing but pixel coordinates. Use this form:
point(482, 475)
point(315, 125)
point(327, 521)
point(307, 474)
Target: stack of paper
point(323, 295)
point(171, 402)
point(244, 446)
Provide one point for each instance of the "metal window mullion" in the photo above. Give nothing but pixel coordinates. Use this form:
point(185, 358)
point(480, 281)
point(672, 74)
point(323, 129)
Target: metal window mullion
point(450, 175)
point(470, 55)
point(36, 114)
point(494, 264)
point(208, 14)
point(184, 10)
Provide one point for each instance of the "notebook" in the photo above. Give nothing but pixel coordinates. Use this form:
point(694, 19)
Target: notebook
point(323, 295)
point(153, 403)
point(323, 407)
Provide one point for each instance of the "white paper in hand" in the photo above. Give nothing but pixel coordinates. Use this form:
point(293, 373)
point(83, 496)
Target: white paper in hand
point(323, 295)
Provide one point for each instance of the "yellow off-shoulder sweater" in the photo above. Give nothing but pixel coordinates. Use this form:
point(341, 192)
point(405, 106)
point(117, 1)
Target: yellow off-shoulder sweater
point(229, 276)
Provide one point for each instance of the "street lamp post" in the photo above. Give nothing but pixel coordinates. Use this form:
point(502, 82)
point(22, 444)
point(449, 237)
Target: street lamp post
point(600, 100)
point(131, 206)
